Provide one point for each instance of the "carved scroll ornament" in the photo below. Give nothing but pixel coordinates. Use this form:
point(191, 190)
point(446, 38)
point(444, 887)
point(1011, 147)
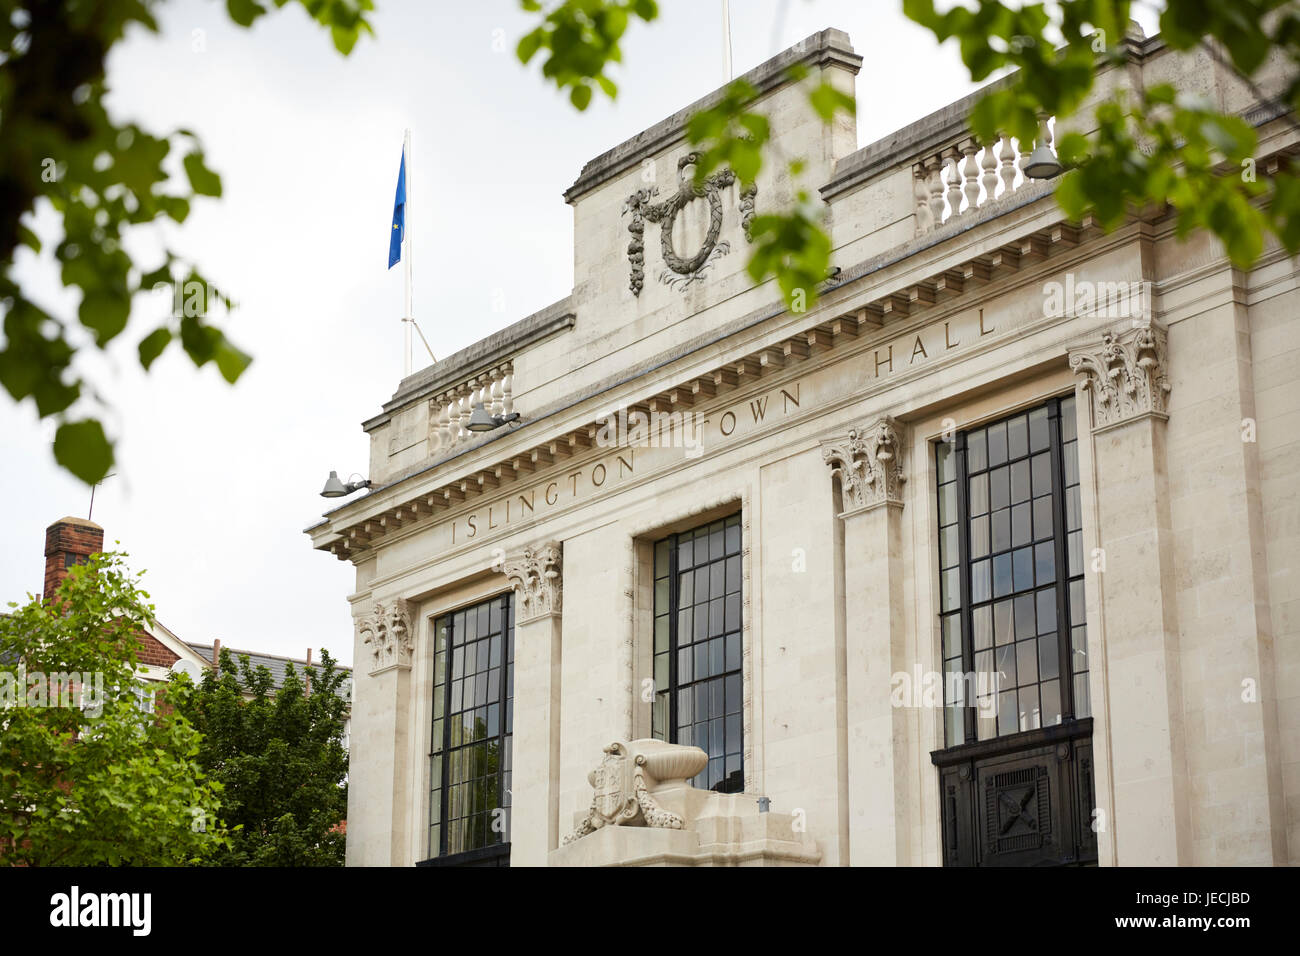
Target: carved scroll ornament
point(1126, 376)
point(387, 633)
point(868, 464)
point(683, 270)
point(535, 575)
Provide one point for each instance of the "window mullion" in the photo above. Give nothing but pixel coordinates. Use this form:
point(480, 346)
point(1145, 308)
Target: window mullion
point(1059, 540)
point(963, 562)
point(673, 600)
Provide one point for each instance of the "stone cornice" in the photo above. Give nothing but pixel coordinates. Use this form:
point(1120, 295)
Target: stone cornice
point(838, 323)
point(536, 575)
point(1126, 375)
point(868, 463)
point(828, 47)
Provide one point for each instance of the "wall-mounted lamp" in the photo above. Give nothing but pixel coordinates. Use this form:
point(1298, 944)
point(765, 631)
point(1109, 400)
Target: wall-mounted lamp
point(337, 489)
point(1042, 162)
point(481, 421)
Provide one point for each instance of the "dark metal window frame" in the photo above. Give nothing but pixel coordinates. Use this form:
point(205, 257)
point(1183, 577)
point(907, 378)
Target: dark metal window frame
point(728, 783)
point(497, 854)
point(1061, 532)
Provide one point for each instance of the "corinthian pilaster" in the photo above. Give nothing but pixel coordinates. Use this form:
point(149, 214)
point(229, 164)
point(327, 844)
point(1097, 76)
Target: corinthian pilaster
point(881, 739)
point(535, 575)
point(387, 634)
point(869, 465)
point(1125, 375)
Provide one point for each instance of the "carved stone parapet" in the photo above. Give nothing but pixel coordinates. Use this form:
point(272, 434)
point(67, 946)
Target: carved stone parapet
point(623, 785)
point(1126, 375)
point(869, 465)
point(536, 577)
point(386, 631)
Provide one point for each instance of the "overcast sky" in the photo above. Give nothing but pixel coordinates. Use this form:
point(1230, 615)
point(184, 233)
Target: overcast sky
point(214, 484)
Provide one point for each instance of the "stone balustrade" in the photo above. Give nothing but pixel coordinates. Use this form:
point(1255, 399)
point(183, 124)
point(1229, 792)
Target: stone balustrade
point(960, 178)
point(450, 410)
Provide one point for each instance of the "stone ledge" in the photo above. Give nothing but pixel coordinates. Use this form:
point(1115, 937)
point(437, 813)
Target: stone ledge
point(826, 47)
point(462, 365)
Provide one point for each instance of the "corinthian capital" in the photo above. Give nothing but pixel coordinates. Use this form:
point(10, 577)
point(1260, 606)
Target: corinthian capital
point(869, 465)
point(535, 575)
point(386, 631)
point(1125, 375)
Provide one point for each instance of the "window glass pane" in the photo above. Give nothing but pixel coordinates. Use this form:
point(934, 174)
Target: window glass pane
point(1001, 575)
point(1026, 662)
point(948, 547)
point(951, 628)
point(1068, 425)
point(945, 461)
point(982, 627)
point(949, 585)
point(1047, 611)
point(1045, 563)
point(979, 494)
point(1018, 437)
point(1050, 702)
point(1002, 617)
point(1043, 517)
point(1024, 568)
point(1038, 435)
point(661, 558)
point(1001, 523)
point(979, 537)
point(1041, 466)
point(947, 504)
point(1029, 713)
point(1020, 481)
point(979, 581)
point(1082, 702)
point(1021, 532)
point(999, 487)
point(977, 458)
point(997, 443)
point(1049, 657)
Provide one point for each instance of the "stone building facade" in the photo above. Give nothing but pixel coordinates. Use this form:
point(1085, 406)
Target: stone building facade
point(989, 557)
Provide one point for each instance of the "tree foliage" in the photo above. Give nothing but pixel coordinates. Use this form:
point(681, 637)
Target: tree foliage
point(103, 177)
point(1152, 146)
point(280, 759)
point(86, 777)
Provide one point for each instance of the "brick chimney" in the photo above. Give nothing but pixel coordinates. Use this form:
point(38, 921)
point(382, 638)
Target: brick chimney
point(68, 541)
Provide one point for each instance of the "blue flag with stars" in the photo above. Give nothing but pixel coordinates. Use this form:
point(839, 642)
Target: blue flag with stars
point(399, 217)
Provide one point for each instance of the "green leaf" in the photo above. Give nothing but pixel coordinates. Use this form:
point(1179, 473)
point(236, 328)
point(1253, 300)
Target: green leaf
point(231, 362)
point(105, 312)
point(580, 96)
point(152, 345)
point(82, 448)
point(202, 180)
point(244, 12)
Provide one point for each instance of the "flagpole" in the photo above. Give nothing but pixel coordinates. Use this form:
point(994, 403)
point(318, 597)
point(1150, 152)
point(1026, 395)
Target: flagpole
point(409, 318)
point(726, 40)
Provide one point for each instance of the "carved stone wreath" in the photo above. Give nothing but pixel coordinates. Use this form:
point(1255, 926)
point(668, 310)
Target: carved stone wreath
point(684, 270)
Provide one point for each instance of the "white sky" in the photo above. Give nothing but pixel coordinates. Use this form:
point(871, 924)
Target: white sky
point(214, 484)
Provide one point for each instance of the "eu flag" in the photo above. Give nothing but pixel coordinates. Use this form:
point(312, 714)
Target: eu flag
point(399, 217)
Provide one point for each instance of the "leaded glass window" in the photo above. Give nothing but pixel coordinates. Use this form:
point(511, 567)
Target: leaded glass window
point(1011, 576)
point(473, 720)
point(697, 648)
